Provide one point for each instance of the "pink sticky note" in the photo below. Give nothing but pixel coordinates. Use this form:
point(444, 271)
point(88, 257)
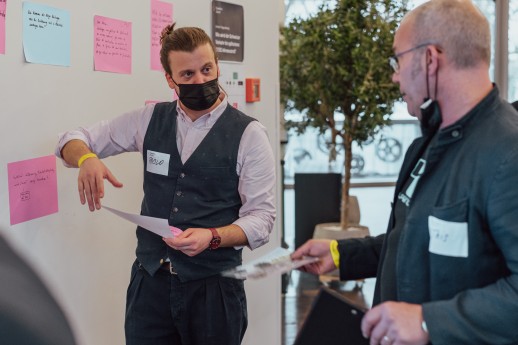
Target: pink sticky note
point(161, 16)
point(33, 190)
point(176, 231)
point(112, 45)
point(3, 6)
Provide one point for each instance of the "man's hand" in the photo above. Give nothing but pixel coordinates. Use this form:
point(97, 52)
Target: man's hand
point(395, 323)
point(316, 248)
point(90, 182)
point(191, 242)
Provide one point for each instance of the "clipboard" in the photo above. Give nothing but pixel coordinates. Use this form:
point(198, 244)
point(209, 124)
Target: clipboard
point(332, 320)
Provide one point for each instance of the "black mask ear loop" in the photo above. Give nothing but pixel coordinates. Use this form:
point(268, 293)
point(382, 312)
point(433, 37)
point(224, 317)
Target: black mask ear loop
point(175, 91)
point(428, 56)
point(171, 76)
point(431, 117)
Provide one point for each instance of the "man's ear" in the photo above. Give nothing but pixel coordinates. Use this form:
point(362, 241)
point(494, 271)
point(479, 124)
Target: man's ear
point(432, 59)
point(170, 81)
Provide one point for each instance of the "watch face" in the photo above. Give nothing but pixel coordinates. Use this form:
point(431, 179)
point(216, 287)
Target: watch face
point(216, 239)
point(214, 244)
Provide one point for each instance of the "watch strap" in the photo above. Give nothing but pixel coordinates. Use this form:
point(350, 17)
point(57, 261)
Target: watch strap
point(216, 239)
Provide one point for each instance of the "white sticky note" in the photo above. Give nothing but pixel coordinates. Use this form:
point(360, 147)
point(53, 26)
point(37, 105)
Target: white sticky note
point(448, 238)
point(158, 162)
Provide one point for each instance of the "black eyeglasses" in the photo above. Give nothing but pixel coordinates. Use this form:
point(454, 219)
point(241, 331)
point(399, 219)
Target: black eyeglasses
point(393, 60)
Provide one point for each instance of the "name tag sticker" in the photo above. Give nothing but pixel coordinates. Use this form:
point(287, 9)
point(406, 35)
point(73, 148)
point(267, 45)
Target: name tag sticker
point(448, 238)
point(157, 163)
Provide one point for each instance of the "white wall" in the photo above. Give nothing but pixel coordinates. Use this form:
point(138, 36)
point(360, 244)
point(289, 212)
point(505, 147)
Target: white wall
point(85, 257)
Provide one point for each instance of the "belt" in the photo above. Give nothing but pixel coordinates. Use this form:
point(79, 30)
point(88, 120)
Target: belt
point(166, 266)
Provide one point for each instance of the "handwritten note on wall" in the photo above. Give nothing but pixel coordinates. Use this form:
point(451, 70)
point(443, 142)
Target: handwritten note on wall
point(161, 15)
point(112, 45)
point(46, 34)
point(3, 7)
point(33, 190)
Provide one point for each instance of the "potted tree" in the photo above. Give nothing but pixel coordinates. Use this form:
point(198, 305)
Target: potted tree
point(334, 70)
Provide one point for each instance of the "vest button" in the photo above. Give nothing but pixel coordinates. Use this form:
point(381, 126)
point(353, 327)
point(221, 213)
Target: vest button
point(175, 209)
point(455, 134)
point(179, 193)
point(182, 175)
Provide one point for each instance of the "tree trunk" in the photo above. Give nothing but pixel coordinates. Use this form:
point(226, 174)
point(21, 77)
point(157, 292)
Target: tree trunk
point(344, 210)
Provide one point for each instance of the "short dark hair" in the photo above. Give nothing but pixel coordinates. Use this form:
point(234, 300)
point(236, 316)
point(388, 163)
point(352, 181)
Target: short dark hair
point(185, 39)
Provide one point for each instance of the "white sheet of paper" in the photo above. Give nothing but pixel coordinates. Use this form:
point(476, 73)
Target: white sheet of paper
point(277, 261)
point(158, 226)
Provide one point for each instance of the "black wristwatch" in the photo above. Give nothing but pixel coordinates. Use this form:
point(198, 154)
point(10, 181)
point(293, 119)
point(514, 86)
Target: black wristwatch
point(216, 239)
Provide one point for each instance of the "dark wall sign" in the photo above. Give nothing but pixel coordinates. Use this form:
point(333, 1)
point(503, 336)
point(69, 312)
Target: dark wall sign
point(228, 29)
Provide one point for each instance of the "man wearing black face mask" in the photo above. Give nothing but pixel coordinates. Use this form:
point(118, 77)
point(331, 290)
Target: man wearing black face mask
point(447, 267)
point(209, 170)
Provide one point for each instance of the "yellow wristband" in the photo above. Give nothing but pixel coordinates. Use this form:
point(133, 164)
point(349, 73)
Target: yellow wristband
point(85, 157)
point(335, 253)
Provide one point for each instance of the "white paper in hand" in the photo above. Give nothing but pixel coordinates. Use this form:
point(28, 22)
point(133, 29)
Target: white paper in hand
point(277, 261)
point(158, 226)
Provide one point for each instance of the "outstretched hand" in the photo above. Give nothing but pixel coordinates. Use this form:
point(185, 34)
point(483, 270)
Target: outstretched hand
point(90, 182)
point(319, 249)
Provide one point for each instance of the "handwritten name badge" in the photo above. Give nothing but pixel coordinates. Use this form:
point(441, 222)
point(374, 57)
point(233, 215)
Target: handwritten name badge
point(158, 163)
point(448, 238)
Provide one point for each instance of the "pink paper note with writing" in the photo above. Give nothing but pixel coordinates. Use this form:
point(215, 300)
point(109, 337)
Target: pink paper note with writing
point(3, 6)
point(112, 45)
point(161, 16)
point(33, 190)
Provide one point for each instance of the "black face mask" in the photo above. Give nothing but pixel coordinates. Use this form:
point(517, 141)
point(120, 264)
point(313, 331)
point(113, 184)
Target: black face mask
point(431, 117)
point(199, 96)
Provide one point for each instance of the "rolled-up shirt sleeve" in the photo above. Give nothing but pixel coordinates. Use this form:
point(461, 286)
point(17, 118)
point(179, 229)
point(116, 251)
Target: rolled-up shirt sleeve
point(255, 164)
point(256, 170)
point(124, 133)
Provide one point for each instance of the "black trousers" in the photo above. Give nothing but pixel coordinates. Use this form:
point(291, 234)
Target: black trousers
point(161, 310)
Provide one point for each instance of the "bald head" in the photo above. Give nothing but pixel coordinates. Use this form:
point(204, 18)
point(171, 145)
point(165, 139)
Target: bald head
point(457, 27)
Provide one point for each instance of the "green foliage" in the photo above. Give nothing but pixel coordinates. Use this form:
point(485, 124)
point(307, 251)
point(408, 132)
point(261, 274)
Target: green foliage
point(337, 62)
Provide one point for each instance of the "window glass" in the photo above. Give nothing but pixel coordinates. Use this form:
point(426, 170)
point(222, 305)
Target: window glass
point(380, 159)
point(488, 8)
point(377, 160)
point(301, 8)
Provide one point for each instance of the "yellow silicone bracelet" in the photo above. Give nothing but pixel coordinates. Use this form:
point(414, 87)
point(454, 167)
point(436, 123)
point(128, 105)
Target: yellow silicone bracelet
point(85, 157)
point(335, 253)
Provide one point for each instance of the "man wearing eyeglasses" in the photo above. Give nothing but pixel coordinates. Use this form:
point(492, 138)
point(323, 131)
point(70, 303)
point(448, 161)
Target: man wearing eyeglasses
point(447, 267)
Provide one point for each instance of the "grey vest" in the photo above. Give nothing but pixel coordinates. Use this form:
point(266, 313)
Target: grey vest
point(201, 193)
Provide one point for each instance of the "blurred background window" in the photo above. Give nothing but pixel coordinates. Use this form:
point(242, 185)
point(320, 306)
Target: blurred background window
point(381, 159)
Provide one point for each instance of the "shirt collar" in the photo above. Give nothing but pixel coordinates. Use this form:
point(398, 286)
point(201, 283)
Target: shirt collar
point(486, 106)
point(206, 120)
